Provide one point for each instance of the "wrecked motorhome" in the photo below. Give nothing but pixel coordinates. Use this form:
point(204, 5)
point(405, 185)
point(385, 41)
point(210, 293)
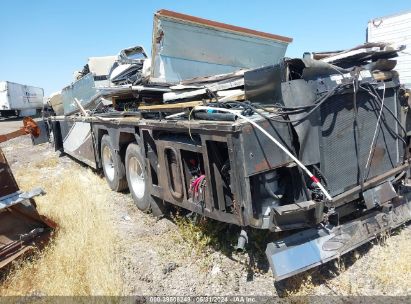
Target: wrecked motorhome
point(22, 228)
point(232, 130)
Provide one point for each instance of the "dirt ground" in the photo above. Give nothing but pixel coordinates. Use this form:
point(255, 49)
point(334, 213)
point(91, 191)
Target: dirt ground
point(160, 257)
point(9, 124)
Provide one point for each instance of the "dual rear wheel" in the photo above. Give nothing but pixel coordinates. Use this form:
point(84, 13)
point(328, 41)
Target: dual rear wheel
point(132, 173)
point(113, 167)
point(136, 175)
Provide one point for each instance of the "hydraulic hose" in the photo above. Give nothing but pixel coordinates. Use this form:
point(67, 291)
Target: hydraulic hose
point(295, 159)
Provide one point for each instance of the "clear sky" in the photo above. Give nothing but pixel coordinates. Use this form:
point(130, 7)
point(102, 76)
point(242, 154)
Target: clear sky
point(43, 42)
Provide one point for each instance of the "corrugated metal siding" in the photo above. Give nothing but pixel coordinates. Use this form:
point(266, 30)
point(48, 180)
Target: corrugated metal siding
point(395, 29)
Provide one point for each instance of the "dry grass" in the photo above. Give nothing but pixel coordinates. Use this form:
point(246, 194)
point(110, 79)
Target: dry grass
point(392, 267)
point(50, 162)
point(195, 233)
point(81, 259)
point(202, 236)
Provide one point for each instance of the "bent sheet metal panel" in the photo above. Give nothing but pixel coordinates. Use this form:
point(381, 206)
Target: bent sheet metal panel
point(83, 89)
point(312, 247)
point(185, 47)
point(21, 226)
point(78, 142)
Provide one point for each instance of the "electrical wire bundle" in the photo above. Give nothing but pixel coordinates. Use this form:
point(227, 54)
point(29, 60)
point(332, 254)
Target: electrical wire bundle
point(249, 109)
point(281, 114)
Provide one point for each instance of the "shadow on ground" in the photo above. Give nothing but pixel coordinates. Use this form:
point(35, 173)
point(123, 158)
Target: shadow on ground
point(203, 233)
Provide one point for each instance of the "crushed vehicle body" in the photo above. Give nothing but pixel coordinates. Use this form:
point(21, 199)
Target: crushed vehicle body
point(317, 145)
point(22, 228)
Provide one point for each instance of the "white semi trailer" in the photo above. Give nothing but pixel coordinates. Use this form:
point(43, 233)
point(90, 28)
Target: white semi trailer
point(19, 99)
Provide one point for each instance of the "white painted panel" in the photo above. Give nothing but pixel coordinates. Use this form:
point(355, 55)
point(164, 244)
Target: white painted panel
point(79, 144)
point(77, 136)
point(20, 97)
point(101, 66)
point(395, 29)
point(4, 98)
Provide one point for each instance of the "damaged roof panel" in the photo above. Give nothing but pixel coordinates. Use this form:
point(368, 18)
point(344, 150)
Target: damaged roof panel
point(186, 47)
point(220, 25)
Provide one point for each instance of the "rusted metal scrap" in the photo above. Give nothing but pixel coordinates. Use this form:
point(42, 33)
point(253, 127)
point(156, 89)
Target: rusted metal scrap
point(29, 127)
point(22, 228)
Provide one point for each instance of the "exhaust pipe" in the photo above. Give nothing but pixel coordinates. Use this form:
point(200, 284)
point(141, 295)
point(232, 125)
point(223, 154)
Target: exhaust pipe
point(242, 241)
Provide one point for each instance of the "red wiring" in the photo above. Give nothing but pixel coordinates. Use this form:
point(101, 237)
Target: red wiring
point(196, 184)
point(315, 179)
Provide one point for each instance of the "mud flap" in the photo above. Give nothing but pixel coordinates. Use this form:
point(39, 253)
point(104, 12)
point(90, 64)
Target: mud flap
point(312, 247)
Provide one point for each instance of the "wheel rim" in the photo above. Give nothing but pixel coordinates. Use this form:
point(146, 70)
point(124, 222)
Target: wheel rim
point(108, 163)
point(136, 175)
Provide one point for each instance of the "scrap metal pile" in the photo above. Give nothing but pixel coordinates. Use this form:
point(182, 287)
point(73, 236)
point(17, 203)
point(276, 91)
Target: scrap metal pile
point(22, 228)
point(126, 85)
point(180, 63)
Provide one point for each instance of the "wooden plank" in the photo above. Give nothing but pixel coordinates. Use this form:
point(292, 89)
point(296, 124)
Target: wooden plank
point(181, 105)
point(384, 75)
point(348, 54)
point(212, 87)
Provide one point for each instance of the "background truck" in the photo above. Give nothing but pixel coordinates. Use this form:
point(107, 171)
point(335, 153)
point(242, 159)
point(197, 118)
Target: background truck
point(314, 146)
point(19, 99)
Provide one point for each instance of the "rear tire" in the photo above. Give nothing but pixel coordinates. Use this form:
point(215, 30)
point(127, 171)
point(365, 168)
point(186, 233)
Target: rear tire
point(113, 166)
point(137, 178)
